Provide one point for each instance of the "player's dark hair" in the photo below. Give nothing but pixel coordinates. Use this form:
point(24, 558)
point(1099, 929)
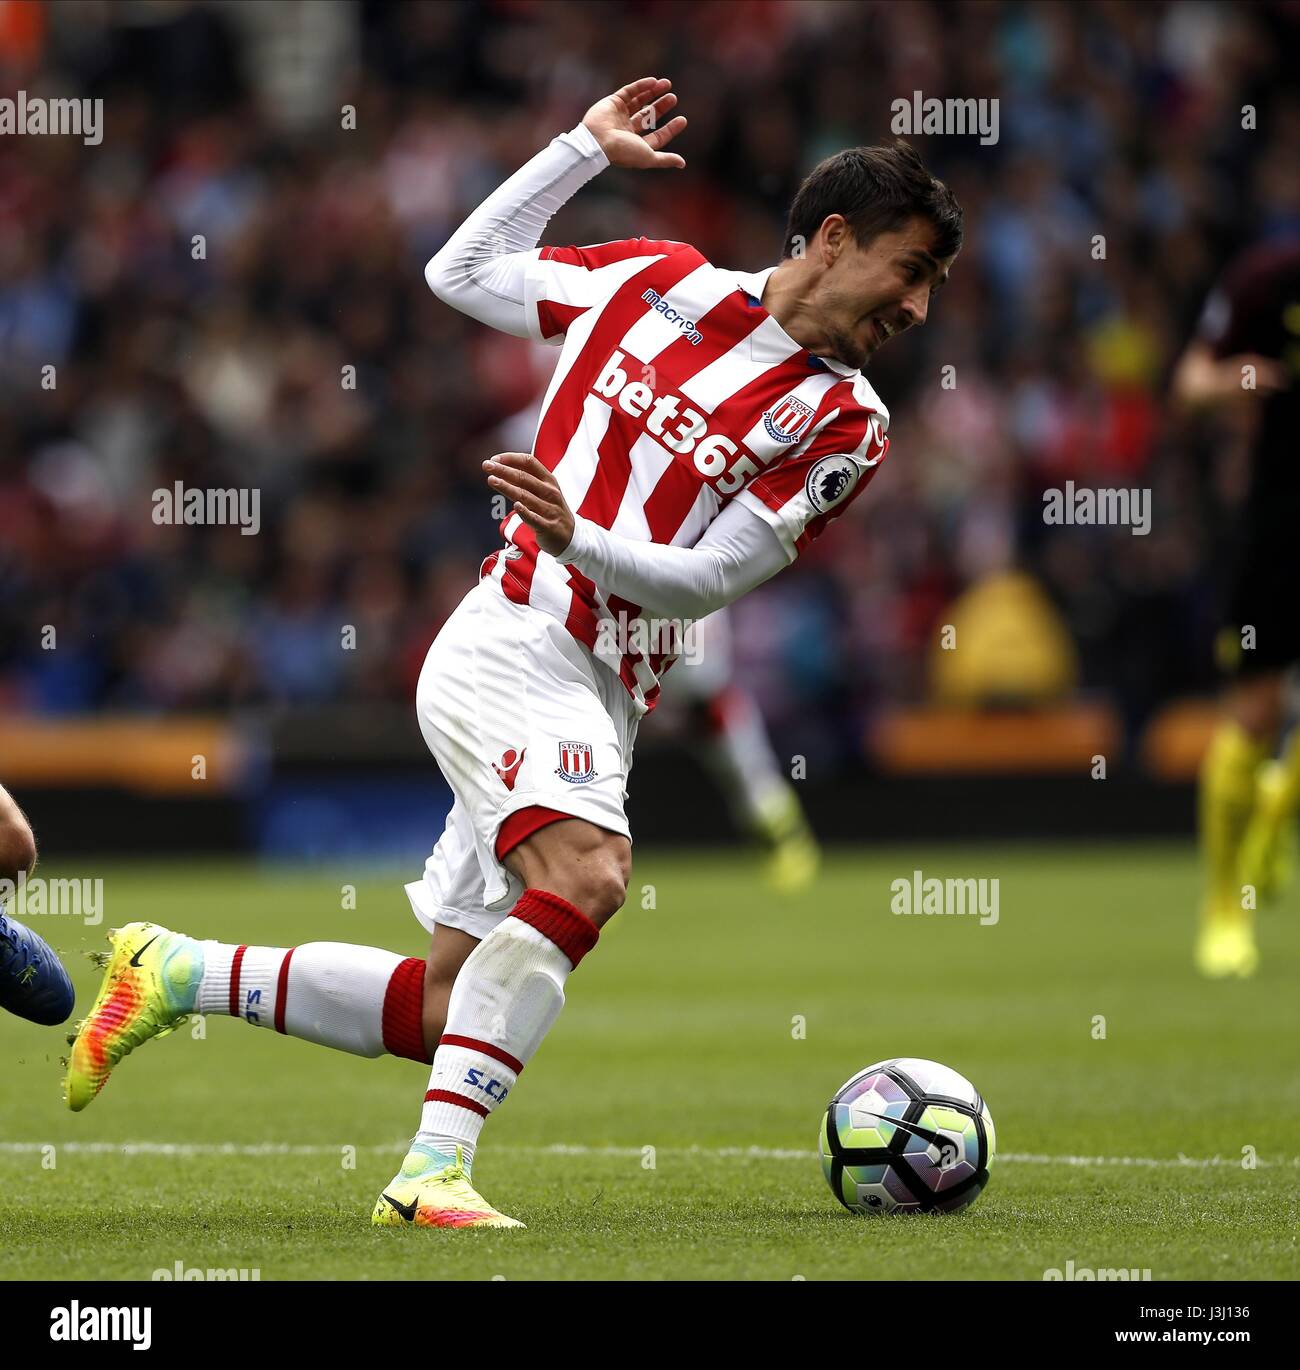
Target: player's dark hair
point(877, 190)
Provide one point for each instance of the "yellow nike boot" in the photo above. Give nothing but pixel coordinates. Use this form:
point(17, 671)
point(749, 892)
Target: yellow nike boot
point(432, 1190)
point(151, 981)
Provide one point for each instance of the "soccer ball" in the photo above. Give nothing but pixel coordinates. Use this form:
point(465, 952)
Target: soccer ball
point(907, 1136)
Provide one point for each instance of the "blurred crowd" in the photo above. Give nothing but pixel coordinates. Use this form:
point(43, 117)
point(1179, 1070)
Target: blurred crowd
point(181, 302)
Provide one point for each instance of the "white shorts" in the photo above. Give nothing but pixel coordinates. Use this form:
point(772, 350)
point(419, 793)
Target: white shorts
point(517, 713)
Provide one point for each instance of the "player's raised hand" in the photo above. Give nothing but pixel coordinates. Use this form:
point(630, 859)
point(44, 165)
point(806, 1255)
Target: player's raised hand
point(536, 496)
point(629, 124)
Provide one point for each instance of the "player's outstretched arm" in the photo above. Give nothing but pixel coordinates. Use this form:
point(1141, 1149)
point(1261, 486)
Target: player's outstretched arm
point(483, 269)
point(737, 552)
point(1203, 381)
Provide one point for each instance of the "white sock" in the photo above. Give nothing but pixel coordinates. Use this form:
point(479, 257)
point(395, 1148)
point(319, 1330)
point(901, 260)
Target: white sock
point(508, 993)
point(361, 1000)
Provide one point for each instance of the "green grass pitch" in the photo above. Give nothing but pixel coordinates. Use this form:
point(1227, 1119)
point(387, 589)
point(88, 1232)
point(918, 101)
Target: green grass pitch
point(625, 1145)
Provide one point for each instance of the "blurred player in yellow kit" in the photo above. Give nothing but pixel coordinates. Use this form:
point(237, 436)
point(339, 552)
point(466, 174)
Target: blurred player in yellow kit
point(1247, 354)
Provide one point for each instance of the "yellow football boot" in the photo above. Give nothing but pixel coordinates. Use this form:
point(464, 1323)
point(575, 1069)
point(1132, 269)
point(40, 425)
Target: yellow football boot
point(427, 1192)
point(1225, 946)
point(151, 980)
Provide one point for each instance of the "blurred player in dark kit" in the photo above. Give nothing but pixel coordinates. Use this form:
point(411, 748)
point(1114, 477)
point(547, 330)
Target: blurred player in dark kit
point(1247, 352)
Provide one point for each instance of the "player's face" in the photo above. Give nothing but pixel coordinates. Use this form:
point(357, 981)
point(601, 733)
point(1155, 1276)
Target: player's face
point(867, 295)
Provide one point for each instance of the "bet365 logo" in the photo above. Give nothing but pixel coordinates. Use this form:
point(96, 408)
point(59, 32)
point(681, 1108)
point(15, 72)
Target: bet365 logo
point(682, 430)
point(494, 1089)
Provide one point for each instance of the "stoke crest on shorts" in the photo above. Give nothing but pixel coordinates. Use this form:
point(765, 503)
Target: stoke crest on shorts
point(577, 765)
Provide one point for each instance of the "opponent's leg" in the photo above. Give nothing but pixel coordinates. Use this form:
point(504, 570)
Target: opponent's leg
point(509, 992)
point(362, 1000)
point(1268, 846)
point(1228, 790)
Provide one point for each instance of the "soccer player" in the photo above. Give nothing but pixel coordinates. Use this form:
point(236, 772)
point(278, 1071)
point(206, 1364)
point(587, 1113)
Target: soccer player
point(33, 982)
point(702, 427)
point(1250, 332)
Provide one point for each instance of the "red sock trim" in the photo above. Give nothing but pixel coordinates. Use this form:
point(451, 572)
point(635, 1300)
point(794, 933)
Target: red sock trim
point(282, 989)
point(445, 1096)
point(449, 1039)
point(403, 1020)
point(568, 927)
point(234, 980)
point(522, 824)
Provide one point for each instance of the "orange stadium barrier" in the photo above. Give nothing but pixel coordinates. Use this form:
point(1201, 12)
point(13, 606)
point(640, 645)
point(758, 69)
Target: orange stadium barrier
point(946, 741)
point(950, 741)
point(165, 757)
point(1176, 739)
point(156, 756)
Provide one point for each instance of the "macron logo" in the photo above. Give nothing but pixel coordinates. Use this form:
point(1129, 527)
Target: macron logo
point(661, 306)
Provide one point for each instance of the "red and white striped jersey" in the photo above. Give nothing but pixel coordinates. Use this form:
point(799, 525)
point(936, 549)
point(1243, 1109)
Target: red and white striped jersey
point(676, 392)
